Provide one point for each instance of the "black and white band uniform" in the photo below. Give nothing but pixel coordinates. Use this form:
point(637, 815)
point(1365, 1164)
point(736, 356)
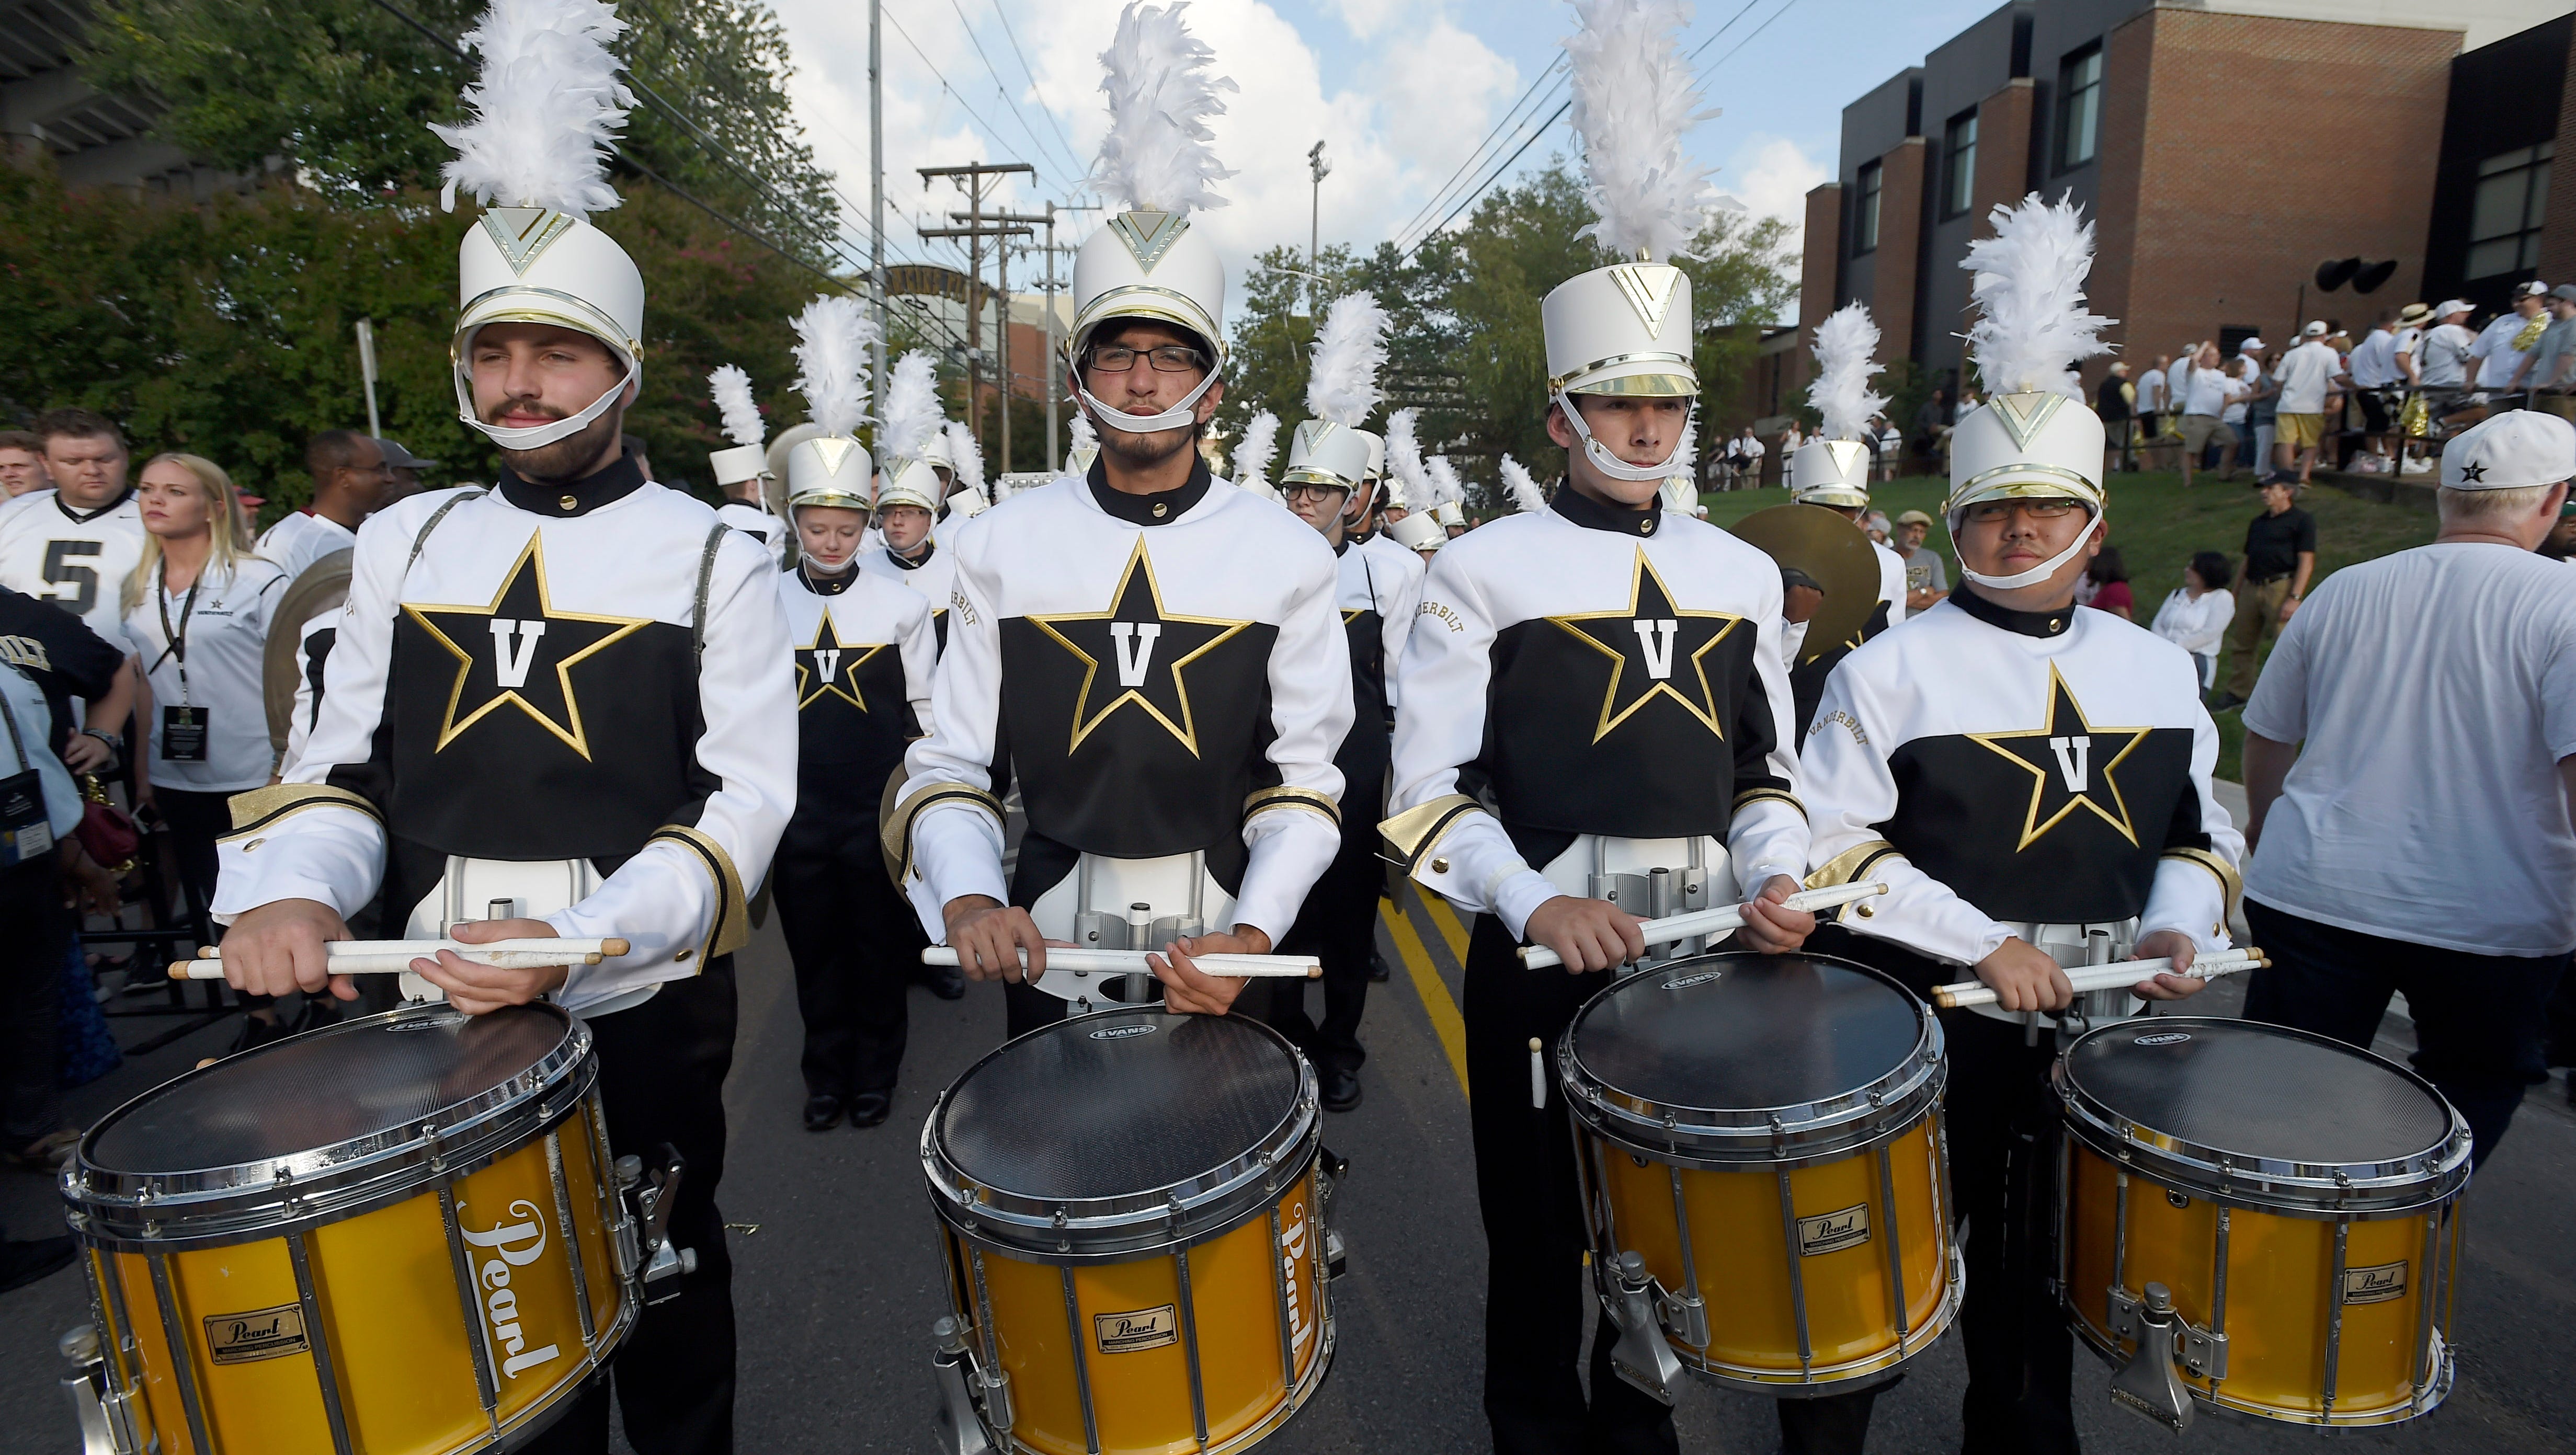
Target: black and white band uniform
point(930, 572)
point(1170, 677)
point(864, 659)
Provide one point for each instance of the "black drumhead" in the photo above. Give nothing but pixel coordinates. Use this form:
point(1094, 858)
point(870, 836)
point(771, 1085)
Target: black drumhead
point(1119, 1104)
point(323, 1088)
point(2257, 1091)
point(1738, 1032)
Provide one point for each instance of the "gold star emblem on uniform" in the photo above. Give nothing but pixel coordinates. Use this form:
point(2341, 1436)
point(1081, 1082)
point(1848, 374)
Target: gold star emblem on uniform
point(519, 651)
point(2064, 758)
point(1656, 649)
point(1145, 648)
point(829, 667)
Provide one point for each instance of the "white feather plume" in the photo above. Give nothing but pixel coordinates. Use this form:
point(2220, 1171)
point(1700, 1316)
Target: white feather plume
point(1083, 433)
point(1252, 453)
point(1846, 343)
point(833, 335)
point(1526, 496)
point(732, 389)
point(546, 108)
point(2032, 326)
point(1408, 486)
point(1350, 349)
point(968, 455)
point(1634, 99)
point(1446, 487)
point(1156, 157)
point(912, 408)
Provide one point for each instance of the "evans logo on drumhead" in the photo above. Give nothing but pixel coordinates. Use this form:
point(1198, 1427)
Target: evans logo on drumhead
point(1120, 1033)
point(2169, 1038)
point(1687, 981)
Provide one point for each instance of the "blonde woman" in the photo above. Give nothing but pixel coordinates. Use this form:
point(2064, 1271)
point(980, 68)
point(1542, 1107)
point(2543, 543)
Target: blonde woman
point(197, 609)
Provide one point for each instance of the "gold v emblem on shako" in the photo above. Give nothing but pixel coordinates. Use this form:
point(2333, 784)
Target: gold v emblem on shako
point(1648, 287)
point(1656, 649)
point(829, 667)
point(521, 233)
point(1149, 235)
point(519, 651)
point(2066, 759)
point(2025, 415)
point(1144, 650)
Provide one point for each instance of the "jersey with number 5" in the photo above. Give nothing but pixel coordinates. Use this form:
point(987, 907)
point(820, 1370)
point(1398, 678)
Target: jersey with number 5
point(76, 559)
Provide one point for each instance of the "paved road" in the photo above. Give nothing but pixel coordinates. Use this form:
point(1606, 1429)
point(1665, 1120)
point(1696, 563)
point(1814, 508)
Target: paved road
point(837, 1283)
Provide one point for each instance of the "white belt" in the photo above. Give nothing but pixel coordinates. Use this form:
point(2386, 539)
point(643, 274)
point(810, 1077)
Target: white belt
point(1652, 878)
point(478, 889)
point(2074, 946)
point(1127, 904)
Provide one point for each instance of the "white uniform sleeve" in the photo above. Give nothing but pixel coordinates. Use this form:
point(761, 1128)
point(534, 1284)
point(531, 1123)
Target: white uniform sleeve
point(1849, 792)
point(1891, 582)
point(1396, 609)
point(1768, 833)
point(954, 826)
point(920, 647)
point(1310, 713)
point(683, 892)
point(2192, 893)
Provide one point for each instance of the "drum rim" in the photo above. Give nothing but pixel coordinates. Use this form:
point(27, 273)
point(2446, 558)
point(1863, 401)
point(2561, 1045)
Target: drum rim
point(1760, 1136)
point(2326, 1189)
point(1131, 1224)
point(251, 1201)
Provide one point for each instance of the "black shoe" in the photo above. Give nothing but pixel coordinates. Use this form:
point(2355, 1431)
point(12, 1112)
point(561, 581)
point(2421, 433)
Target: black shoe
point(2225, 701)
point(870, 1108)
point(1377, 968)
point(948, 982)
point(256, 1032)
point(24, 1263)
point(822, 1112)
point(1341, 1088)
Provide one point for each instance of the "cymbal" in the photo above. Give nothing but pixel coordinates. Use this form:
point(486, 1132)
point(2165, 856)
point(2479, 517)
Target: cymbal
point(324, 586)
point(1832, 551)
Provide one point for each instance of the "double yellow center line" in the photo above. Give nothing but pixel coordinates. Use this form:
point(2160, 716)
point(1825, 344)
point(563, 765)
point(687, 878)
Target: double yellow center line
point(1434, 991)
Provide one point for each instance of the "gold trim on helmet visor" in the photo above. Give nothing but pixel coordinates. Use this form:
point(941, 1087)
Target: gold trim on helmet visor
point(582, 317)
point(1316, 475)
point(2026, 480)
point(832, 495)
point(1651, 384)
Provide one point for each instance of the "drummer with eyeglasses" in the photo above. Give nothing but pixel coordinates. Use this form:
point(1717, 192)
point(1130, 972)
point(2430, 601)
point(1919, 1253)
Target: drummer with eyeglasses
point(2031, 779)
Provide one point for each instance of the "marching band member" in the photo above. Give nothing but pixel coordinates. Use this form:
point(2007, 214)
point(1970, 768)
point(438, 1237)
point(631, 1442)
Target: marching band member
point(1832, 471)
point(912, 496)
point(1411, 519)
point(573, 690)
point(864, 657)
point(2032, 780)
point(1615, 669)
point(1325, 486)
point(1153, 655)
point(742, 471)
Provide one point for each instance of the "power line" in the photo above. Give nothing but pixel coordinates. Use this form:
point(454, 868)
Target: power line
point(1475, 158)
point(998, 88)
point(991, 132)
point(1063, 143)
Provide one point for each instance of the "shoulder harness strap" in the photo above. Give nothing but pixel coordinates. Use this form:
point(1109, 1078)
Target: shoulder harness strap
point(421, 541)
point(706, 583)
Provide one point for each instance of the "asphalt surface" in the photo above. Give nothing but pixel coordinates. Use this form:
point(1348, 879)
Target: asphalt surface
point(837, 1280)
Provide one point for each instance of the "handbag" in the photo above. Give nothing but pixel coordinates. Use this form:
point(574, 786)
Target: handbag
point(107, 833)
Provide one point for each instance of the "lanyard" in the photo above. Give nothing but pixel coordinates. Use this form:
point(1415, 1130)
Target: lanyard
point(176, 636)
point(15, 741)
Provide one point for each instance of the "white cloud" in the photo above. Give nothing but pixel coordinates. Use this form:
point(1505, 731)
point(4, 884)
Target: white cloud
point(1771, 176)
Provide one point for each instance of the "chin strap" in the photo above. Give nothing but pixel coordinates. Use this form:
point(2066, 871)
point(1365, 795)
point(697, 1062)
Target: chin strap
point(1606, 462)
point(1173, 418)
point(561, 429)
point(2035, 574)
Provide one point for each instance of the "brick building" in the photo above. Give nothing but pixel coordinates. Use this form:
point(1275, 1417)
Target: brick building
point(2222, 148)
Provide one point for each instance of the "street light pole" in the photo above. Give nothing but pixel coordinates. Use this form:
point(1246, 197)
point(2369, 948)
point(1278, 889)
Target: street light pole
point(1320, 169)
point(876, 205)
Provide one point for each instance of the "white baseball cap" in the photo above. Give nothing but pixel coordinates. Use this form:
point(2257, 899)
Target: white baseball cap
point(2249, 346)
point(2518, 448)
point(2533, 289)
point(2454, 305)
point(2316, 329)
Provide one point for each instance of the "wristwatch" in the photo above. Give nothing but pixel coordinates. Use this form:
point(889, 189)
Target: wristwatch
point(115, 741)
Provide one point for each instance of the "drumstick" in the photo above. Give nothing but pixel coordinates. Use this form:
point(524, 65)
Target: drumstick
point(1132, 962)
point(1717, 921)
point(386, 957)
point(2117, 976)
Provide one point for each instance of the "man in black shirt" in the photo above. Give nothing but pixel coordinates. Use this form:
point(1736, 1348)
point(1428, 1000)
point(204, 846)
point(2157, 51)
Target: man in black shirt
point(2280, 557)
point(2112, 400)
point(62, 656)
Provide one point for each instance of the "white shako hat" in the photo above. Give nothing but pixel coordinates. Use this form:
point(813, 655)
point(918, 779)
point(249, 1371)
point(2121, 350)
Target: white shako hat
point(1832, 469)
point(833, 336)
point(914, 438)
point(1377, 453)
point(545, 107)
point(1626, 328)
point(2034, 437)
point(2510, 451)
point(1408, 484)
point(746, 460)
point(1341, 392)
point(1252, 454)
point(966, 491)
point(1146, 261)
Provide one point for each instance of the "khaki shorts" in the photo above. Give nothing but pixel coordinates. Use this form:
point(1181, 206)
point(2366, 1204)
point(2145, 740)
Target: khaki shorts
point(2299, 431)
point(2199, 429)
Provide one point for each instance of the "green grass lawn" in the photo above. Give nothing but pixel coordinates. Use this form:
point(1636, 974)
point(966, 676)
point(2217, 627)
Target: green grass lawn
point(2159, 526)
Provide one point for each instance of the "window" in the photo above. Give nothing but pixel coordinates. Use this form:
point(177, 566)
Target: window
point(2504, 221)
point(1959, 151)
point(1865, 212)
point(2079, 107)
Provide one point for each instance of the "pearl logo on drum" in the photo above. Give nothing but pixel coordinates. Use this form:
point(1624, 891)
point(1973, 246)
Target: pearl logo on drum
point(2169, 1038)
point(2381, 1283)
point(267, 1333)
point(1127, 1333)
point(1834, 1231)
point(1121, 1033)
point(516, 1245)
point(1292, 1251)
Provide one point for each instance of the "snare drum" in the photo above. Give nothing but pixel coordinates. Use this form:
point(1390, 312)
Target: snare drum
point(1132, 1212)
point(1758, 1141)
point(397, 1234)
point(2260, 1219)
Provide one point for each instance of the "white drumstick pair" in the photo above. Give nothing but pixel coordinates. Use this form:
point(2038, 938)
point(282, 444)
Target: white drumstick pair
point(2119, 975)
point(1677, 928)
point(1132, 962)
point(386, 957)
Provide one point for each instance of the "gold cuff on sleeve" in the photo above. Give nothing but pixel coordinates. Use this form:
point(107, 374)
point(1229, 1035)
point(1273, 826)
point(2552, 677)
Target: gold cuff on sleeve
point(731, 929)
point(1849, 865)
point(894, 821)
point(258, 808)
point(1414, 833)
point(1285, 797)
point(1752, 796)
point(2231, 884)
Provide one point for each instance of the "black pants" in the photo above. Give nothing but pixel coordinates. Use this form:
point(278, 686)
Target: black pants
point(2480, 1020)
point(855, 943)
point(39, 931)
point(662, 1067)
point(1338, 925)
point(195, 821)
point(1536, 1289)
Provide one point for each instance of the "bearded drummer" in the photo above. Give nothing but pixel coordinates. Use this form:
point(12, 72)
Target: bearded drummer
point(1152, 653)
point(1615, 668)
point(2032, 780)
point(573, 691)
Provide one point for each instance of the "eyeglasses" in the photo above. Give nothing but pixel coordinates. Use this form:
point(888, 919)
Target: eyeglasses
point(1167, 359)
point(1296, 488)
point(1987, 512)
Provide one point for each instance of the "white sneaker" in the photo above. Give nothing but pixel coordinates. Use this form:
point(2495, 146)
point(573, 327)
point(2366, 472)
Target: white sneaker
point(2418, 466)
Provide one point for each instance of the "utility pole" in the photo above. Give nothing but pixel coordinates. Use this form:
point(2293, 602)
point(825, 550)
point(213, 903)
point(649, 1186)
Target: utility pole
point(972, 180)
point(1321, 169)
point(876, 205)
point(1024, 222)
